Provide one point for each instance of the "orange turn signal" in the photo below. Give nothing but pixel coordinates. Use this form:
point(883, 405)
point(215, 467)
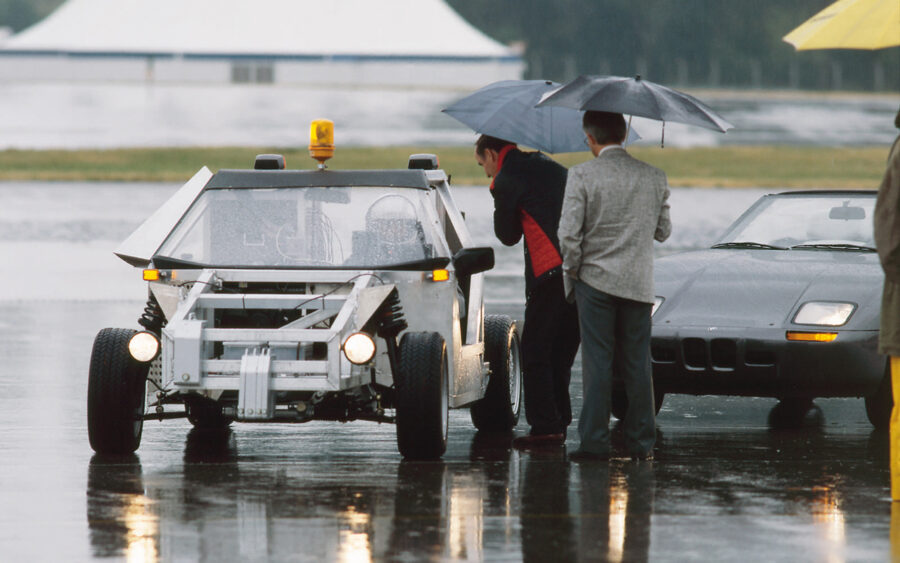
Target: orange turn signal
point(151, 275)
point(811, 336)
point(440, 275)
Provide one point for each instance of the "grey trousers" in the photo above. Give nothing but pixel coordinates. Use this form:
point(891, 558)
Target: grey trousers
point(615, 332)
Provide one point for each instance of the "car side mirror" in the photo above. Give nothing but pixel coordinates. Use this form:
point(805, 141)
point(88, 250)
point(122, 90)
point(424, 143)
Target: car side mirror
point(473, 260)
point(847, 213)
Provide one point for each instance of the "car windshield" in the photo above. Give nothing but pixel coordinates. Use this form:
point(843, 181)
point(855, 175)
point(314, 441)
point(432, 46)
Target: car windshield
point(324, 227)
point(823, 221)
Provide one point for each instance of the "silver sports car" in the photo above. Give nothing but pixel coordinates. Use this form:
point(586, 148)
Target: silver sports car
point(786, 304)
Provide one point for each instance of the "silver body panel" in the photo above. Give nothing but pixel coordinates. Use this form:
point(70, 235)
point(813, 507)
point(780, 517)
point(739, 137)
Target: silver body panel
point(140, 246)
point(260, 363)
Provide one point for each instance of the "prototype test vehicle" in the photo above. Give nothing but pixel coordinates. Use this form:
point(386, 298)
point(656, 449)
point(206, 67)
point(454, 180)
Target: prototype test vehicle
point(294, 295)
point(786, 305)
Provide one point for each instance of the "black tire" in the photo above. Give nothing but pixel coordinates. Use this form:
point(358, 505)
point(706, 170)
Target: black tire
point(791, 413)
point(499, 410)
point(423, 397)
point(881, 403)
point(619, 400)
point(205, 414)
point(116, 387)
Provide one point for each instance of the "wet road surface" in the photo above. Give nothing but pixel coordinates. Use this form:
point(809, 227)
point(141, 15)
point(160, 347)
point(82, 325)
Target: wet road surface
point(726, 484)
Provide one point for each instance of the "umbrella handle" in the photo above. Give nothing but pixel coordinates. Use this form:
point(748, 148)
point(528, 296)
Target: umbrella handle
point(662, 140)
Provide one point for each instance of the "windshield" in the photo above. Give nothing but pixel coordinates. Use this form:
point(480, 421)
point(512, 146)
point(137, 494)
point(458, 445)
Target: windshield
point(841, 220)
point(330, 227)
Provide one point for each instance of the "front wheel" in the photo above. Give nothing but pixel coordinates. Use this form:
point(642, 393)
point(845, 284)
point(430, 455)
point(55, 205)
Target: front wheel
point(499, 410)
point(881, 403)
point(116, 383)
point(423, 398)
point(793, 412)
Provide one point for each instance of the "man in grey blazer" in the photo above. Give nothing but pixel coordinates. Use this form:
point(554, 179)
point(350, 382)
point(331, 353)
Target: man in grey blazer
point(614, 208)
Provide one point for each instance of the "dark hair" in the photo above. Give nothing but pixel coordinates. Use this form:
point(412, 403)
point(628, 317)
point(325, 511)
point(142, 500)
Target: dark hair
point(897, 119)
point(605, 127)
point(486, 142)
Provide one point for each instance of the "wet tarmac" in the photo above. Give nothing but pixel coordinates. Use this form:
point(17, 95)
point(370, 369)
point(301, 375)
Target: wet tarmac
point(726, 485)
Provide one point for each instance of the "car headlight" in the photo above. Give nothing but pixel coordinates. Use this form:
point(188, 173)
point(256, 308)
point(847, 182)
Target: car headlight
point(657, 301)
point(824, 313)
point(359, 348)
point(144, 346)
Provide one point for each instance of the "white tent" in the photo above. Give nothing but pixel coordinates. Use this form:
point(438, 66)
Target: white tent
point(362, 41)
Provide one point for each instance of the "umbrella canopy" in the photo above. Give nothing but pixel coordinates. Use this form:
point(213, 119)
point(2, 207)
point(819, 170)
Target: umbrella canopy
point(506, 110)
point(635, 96)
point(850, 24)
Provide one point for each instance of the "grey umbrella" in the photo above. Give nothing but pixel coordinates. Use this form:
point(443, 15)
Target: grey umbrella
point(506, 110)
point(635, 96)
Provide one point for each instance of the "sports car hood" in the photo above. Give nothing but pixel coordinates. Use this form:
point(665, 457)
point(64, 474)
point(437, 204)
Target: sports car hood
point(764, 288)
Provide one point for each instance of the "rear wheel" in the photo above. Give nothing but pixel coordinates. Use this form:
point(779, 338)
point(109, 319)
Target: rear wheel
point(116, 386)
point(499, 410)
point(422, 396)
point(880, 404)
point(205, 414)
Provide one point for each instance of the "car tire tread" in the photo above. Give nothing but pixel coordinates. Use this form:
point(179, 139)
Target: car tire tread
point(116, 387)
point(496, 411)
point(422, 396)
point(880, 404)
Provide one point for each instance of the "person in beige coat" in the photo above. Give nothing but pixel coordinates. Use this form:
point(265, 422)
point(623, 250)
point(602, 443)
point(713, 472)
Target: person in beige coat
point(614, 208)
point(887, 241)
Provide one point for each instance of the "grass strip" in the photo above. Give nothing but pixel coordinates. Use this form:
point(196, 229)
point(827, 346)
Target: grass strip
point(737, 166)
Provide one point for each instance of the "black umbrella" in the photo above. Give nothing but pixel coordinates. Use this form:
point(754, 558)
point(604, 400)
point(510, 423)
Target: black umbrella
point(507, 110)
point(635, 96)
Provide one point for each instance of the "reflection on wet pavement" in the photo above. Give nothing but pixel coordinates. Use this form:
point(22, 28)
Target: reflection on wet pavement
point(722, 493)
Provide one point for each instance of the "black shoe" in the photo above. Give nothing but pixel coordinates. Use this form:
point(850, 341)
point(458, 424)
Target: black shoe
point(580, 456)
point(539, 441)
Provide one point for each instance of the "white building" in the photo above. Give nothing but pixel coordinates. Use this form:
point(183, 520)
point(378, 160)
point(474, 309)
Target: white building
point(347, 42)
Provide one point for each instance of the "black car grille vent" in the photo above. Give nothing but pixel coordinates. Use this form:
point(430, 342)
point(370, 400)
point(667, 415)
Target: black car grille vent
point(720, 354)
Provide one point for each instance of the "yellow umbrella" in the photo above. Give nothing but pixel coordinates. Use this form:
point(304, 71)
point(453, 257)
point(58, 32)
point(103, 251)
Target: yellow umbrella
point(850, 24)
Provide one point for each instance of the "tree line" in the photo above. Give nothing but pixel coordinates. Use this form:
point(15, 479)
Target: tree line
point(700, 43)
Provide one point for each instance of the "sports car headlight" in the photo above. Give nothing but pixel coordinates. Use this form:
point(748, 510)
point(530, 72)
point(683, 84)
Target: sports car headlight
point(824, 313)
point(359, 348)
point(143, 347)
point(657, 301)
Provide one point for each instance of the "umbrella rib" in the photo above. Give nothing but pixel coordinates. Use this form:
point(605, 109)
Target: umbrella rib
point(516, 118)
point(491, 116)
point(642, 98)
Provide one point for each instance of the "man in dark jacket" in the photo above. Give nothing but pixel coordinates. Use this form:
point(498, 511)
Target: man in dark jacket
point(528, 190)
